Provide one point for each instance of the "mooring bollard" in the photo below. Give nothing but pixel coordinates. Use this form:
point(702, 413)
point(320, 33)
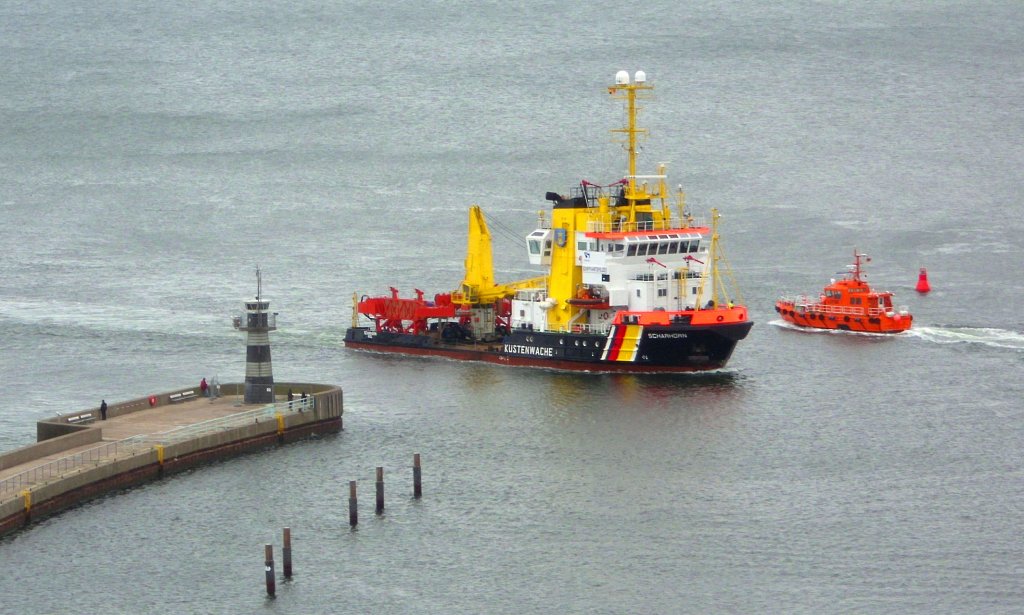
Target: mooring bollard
point(417, 488)
point(353, 513)
point(287, 552)
point(380, 490)
point(269, 552)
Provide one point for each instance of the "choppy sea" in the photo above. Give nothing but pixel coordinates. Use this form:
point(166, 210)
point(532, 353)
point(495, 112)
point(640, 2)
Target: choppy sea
point(153, 154)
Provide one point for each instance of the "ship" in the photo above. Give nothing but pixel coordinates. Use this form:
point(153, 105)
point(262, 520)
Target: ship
point(847, 304)
point(631, 282)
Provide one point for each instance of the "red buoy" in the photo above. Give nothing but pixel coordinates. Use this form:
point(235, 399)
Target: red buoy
point(922, 281)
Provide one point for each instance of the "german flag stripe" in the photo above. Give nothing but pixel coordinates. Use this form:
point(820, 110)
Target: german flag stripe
point(623, 340)
point(630, 343)
point(611, 347)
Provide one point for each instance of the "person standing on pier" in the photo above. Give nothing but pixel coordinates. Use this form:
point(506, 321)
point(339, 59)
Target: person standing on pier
point(103, 410)
point(203, 387)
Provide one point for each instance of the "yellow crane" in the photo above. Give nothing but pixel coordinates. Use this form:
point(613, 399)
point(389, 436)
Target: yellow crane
point(478, 286)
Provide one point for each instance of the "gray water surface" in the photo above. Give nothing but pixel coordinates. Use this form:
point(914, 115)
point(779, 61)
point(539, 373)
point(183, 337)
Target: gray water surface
point(153, 154)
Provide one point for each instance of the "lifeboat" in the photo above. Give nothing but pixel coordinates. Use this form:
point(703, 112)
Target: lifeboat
point(847, 304)
point(586, 299)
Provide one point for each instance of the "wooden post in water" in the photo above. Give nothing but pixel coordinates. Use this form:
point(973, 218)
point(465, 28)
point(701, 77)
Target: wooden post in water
point(353, 508)
point(380, 490)
point(269, 552)
point(417, 487)
point(287, 552)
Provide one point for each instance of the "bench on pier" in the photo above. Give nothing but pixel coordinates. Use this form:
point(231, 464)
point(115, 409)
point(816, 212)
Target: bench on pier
point(184, 396)
point(75, 419)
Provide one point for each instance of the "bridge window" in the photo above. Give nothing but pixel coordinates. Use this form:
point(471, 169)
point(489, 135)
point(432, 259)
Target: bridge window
point(662, 248)
point(673, 248)
point(632, 251)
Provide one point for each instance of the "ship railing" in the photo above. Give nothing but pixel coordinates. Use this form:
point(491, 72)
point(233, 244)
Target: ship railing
point(806, 304)
point(111, 451)
point(581, 328)
point(620, 226)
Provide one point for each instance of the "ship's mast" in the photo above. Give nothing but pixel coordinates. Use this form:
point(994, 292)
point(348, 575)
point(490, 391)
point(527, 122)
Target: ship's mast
point(856, 264)
point(713, 254)
point(629, 91)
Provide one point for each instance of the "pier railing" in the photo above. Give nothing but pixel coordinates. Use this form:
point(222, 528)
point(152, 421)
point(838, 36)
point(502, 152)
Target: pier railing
point(233, 421)
point(58, 468)
point(135, 445)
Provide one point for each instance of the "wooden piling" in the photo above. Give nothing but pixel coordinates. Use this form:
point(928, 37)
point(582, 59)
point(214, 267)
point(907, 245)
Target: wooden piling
point(380, 491)
point(287, 552)
point(353, 508)
point(417, 487)
point(269, 566)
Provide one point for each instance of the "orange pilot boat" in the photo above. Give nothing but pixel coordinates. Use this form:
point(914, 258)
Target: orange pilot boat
point(847, 304)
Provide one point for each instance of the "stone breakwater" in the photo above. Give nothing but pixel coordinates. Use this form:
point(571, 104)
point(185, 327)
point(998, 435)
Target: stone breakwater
point(80, 456)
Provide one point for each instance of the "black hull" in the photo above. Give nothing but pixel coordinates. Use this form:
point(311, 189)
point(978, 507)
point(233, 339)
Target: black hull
point(657, 349)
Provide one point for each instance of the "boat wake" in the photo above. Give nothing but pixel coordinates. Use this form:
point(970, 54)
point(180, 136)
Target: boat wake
point(985, 336)
point(993, 338)
point(784, 324)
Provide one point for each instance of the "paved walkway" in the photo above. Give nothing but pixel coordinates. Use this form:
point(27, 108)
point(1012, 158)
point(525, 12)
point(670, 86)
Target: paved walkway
point(149, 421)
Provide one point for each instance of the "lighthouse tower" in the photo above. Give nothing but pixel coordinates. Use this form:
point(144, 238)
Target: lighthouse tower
point(257, 322)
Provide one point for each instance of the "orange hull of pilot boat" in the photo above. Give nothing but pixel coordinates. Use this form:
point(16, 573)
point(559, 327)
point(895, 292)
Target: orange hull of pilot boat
point(848, 304)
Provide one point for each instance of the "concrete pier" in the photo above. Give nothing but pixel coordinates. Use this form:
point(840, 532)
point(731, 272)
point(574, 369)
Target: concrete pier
point(78, 456)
